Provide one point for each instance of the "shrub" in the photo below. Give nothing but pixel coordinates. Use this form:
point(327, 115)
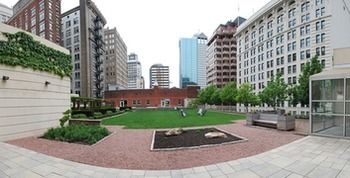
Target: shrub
point(77, 134)
point(109, 112)
point(79, 116)
point(97, 115)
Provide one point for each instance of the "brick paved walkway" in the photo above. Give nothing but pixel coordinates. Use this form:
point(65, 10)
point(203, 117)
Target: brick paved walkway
point(308, 157)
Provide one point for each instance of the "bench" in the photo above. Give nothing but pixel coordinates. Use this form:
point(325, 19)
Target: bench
point(266, 120)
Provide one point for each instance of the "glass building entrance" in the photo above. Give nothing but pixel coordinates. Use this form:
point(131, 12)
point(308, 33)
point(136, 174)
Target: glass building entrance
point(330, 104)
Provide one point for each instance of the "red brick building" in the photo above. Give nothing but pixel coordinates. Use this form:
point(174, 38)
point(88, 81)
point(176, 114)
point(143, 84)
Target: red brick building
point(155, 97)
point(39, 17)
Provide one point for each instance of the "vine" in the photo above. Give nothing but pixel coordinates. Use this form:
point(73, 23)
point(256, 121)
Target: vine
point(21, 49)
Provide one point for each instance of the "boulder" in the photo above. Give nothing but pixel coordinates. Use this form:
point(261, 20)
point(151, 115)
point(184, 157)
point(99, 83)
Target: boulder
point(174, 132)
point(215, 135)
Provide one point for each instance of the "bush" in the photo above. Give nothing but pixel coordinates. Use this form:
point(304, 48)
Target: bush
point(109, 112)
point(77, 134)
point(79, 116)
point(65, 118)
point(97, 115)
point(87, 112)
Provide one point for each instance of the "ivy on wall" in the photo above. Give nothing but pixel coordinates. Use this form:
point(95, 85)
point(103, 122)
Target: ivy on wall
point(20, 49)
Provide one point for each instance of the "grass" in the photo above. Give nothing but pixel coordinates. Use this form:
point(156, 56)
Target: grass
point(145, 119)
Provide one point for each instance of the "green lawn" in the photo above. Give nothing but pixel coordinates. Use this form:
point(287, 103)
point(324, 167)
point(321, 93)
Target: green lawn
point(141, 119)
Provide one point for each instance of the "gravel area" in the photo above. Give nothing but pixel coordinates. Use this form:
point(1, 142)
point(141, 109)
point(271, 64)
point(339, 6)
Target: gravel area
point(130, 149)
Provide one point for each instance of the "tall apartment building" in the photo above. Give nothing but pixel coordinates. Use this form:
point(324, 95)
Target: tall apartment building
point(285, 34)
point(193, 60)
point(115, 65)
point(40, 17)
point(5, 13)
point(159, 76)
point(134, 70)
point(222, 54)
point(82, 34)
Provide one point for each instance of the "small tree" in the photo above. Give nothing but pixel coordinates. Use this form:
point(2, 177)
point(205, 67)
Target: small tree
point(246, 96)
point(228, 93)
point(302, 90)
point(209, 95)
point(275, 92)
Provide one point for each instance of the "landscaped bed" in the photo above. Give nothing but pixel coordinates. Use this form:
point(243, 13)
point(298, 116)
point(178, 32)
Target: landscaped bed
point(130, 148)
point(144, 119)
point(192, 138)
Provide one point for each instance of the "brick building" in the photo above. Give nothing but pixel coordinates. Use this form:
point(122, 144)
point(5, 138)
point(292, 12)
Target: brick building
point(40, 17)
point(155, 97)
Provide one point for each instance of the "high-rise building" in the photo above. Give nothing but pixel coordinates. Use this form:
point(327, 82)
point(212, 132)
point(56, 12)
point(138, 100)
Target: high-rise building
point(40, 17)
point(193, 60)
point(82, 31)
point(285, 34)
point(159, 76)
point(222, 54)
point(115, 65)
point(5, 13)
point(134, 70)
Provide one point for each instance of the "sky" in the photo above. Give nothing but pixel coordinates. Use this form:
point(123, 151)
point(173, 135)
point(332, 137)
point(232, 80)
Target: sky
point(152, 28)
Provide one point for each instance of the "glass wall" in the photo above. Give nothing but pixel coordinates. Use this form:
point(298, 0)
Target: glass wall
point(328, 107)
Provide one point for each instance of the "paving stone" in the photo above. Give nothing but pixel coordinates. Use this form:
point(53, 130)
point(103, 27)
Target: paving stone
point(243, 174)
point(216, 173)
point(295, 176)
point(344, 174)
point(301, 168)
point(280, 174)
point(323, 172)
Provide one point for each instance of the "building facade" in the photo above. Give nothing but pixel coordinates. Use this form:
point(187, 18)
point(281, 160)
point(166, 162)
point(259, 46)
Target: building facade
point(159, 76)
point(155, 97)
point(134, 71)
point(193, 60)
point(82, 34)
point(5, 13)
point(222, 54)
point(285, 34)
point(40, 17)
point(115, 65)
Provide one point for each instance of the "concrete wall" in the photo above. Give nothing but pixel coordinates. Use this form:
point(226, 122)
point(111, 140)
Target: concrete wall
point(28, 107)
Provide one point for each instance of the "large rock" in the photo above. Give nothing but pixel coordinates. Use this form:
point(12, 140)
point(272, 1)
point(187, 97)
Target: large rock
point(174, 132)
point(215, 135)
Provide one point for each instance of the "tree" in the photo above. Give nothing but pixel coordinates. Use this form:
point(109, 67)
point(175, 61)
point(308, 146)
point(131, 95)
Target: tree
point(275, 92)
point(246, 96)
point(209, 95)
point(302, 90)
point(228, 93)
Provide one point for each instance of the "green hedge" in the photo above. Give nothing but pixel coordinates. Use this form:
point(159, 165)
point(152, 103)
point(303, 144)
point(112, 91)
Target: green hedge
point(20, 49)
point(77, 134)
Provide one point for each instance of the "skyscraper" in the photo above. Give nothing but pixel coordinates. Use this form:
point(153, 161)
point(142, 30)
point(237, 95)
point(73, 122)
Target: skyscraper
point(134, 70)
point(159, 76)
point(5, 13)
point(284, 35)
point(40, 17)
point(82, 29)
point(222, 54)
point(193, 60)
point(115, 65)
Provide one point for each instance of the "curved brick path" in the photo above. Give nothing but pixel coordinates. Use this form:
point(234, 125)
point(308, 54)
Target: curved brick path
point(308, 157)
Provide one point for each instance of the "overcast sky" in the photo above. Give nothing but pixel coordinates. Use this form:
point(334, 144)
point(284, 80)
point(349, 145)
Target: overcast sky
point(152, 28)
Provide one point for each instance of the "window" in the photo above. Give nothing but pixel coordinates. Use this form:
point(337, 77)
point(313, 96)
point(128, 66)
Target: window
point(68, 41)
point(261, 30)
point(68, 24)
point(302, 55)
point(319, 2)
point(76, 30)
point(320, 25)
point(280, 19)
point(77, 84)
point(308, 55)
point(42, 26)
point(148, 102)
point(294, 69)
point(292, 23)
point(269, 24)
point(76, 57)
point(302, 43)
point(76, 39)
point(33, 22)
point(307, 29)
point(320, 12)
point(33, 11)
point(77, 66)
point(41, 5)
point(41, 16)
point(323, 50)
point(291, 13)
point(68, 33)
point(307, 42)
point(77, 75)
point(75, 21)
point(305, 18)
point(305, 7)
